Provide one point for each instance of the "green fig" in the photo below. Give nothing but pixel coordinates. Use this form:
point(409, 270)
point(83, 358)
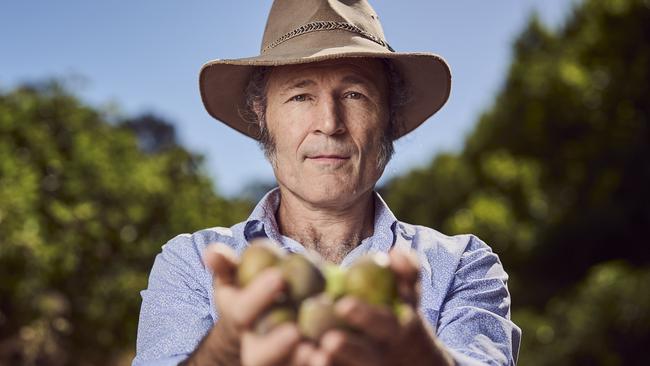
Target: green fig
point(316, 316)
point(334, 280)
point(404, 312)
point(370, 279)
point(303, 277)
point(256, 258)
point(273, 317)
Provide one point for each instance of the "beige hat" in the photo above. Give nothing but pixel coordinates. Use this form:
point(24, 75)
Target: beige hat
point(304, 31)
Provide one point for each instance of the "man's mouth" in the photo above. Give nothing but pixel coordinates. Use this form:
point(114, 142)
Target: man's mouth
point(328, 158)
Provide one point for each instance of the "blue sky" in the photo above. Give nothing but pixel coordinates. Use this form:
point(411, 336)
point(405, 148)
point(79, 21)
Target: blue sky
point(144, 56)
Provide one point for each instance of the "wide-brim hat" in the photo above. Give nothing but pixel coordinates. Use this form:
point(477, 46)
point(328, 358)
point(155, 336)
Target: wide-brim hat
point(306, 31)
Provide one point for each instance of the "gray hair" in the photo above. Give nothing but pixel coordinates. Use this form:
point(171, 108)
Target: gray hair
point(254, 111)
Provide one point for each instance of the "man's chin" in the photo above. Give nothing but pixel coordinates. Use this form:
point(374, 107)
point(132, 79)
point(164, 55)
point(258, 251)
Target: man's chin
point(334, 196)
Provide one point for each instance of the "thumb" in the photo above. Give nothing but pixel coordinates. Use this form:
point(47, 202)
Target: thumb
point(405, 264)
point(222, 261)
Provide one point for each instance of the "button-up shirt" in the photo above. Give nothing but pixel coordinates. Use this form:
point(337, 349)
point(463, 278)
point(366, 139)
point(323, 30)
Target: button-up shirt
point(464, 294)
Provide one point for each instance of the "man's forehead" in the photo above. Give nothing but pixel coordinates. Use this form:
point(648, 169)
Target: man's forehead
point(350, 70)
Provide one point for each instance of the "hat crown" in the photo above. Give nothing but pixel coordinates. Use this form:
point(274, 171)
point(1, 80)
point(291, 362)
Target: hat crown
point(288, 17)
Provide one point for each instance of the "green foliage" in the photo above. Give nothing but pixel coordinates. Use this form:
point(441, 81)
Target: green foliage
point(427, 196)
point(84, 209)
point(603, 321)
point(556, 178)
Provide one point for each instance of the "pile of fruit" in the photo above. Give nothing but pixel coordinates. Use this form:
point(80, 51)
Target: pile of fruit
point(314, 286)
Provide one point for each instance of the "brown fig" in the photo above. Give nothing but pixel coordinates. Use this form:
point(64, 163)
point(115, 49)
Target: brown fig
point(303, 277)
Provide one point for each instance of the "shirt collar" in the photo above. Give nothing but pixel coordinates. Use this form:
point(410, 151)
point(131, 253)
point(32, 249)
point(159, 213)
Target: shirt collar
point(262, 223)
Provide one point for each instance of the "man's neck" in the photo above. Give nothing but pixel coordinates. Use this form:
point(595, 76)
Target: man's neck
point(331, 231)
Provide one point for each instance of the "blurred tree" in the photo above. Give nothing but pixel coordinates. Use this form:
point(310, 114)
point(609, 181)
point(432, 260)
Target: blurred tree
point(556, 174)
point(84, 208)
point(154, 134)
point(255, 190)
point(604, 321)
point(577, 103)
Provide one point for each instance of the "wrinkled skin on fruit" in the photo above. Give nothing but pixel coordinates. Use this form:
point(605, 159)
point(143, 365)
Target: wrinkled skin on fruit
point(370, 279)
point(303, 277)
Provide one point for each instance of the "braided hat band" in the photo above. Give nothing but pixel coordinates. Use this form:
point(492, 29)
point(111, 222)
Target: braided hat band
point(326, 26)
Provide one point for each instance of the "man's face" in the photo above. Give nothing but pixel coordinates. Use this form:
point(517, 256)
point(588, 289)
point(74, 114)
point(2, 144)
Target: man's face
point(327, 120)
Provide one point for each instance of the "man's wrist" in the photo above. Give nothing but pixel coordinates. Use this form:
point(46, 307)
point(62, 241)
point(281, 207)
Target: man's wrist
point(219, 347)
point(423, 342)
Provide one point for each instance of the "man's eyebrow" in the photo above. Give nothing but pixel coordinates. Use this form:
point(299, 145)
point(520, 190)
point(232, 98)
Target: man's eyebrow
point(300, 83)
point(354, 79)
point(348, 79)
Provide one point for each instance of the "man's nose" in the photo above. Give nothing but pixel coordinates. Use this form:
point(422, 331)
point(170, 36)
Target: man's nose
point(330, 120)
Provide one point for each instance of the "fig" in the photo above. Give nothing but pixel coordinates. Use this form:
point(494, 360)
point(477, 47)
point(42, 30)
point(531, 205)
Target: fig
point(273, 317)
point(303, 277)
point(316, 316)
point(334, 280)
point(256, 258)
point(370, 279)
point(404, 312)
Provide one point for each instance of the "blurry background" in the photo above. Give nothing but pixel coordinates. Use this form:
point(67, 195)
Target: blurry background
point(106, 153)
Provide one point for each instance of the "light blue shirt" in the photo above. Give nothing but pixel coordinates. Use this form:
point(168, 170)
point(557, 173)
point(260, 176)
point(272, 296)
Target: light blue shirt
point(464, 287)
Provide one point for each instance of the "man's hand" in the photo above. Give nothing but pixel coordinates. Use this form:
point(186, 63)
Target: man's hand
point(232, 341)
point(379, 337)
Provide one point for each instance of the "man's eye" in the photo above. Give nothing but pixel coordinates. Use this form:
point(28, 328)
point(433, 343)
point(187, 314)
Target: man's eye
point(299, 98)
point(353, 95)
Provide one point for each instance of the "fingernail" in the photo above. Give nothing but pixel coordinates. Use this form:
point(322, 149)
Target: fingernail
point(288, 331)
point(273, 277)
point(332, 340)
point(345, 305)
point(222, 249)
point(215, 247)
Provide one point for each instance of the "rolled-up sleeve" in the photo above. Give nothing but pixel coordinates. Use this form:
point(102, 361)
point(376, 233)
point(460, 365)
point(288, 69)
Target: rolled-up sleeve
point(176, 306)
point(475, 317)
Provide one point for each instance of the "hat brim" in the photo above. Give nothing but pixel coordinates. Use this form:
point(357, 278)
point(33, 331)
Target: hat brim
point(426, 75)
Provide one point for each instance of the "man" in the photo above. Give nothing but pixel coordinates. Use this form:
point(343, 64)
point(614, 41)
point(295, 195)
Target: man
point(326, 98)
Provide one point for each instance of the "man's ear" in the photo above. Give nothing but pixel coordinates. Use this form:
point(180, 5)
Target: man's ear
point(259, 109)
